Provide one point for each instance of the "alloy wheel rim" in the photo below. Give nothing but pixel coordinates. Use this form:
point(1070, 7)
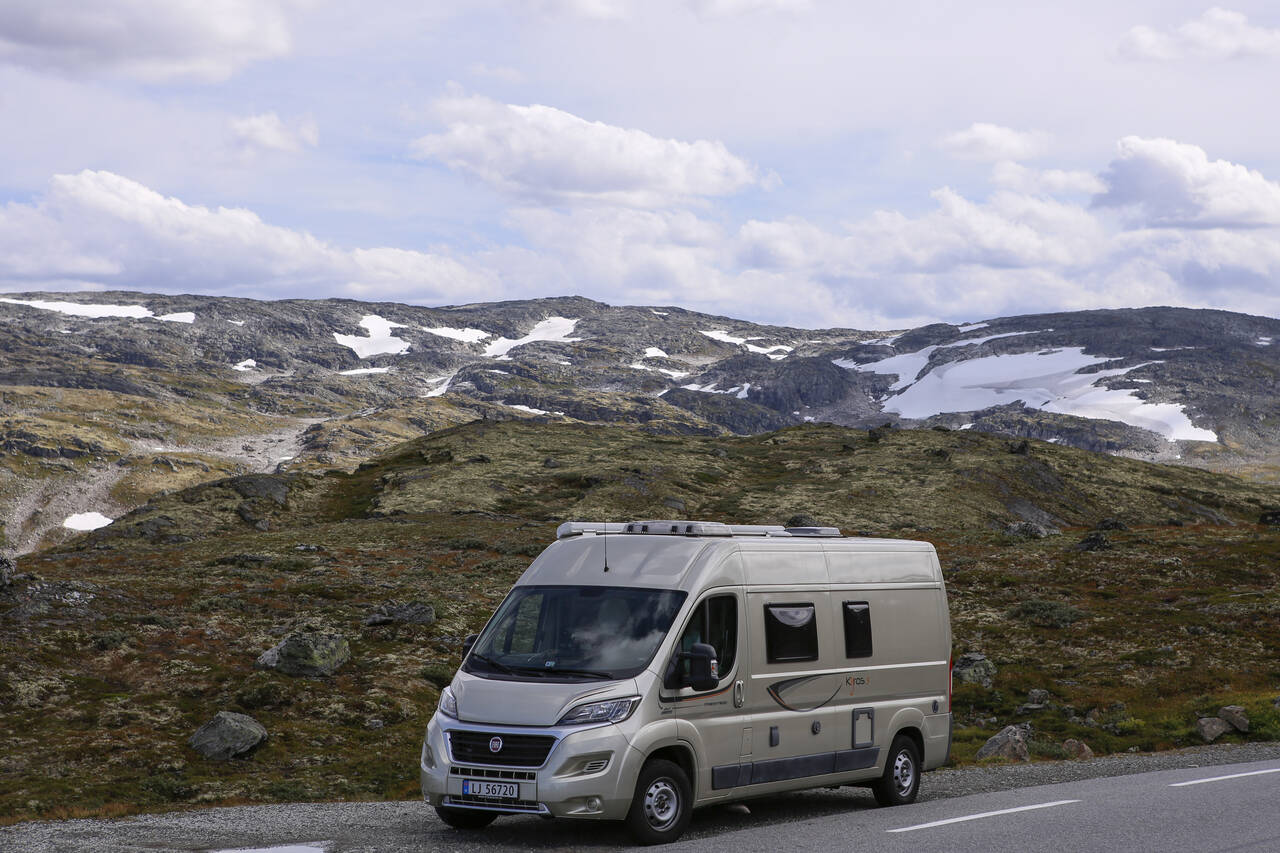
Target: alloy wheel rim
point(904, 773)
point(661, 803)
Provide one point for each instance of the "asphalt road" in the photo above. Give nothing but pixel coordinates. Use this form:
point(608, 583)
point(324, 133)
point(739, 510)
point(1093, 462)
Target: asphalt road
point(1098, 810)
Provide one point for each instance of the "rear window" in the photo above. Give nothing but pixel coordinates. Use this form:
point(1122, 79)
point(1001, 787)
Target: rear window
point(790, 632)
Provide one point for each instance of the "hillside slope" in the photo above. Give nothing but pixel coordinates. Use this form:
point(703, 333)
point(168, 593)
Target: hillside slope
point(117, 646)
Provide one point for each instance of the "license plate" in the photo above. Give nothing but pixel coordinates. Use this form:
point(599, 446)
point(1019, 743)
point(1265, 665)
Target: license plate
point(485, 788)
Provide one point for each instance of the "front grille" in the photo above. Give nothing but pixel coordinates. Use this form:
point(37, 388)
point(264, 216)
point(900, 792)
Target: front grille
point(491, 773)
point(494, 803)
point(517, 750)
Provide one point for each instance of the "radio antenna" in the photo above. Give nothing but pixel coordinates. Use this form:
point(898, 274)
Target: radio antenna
point(605, 533)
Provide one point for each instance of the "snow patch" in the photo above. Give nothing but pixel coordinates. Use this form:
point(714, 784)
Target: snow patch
point(439, 389)
point(659, 313)
point(1050, 381)
point(726, 338)
point(674, 374)
point(86, 521)
point(555, 329)
point(364, 371)
point(467, 335)
point(236, 322)
point(247, 364)
point(654, 352)
point(84, 309)
point(1170, 349)
point(379, 341)
point(1263, 342)
point(969, 327)
point(530, 409)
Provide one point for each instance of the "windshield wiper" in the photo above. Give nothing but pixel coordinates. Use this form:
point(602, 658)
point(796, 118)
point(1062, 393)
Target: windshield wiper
point(588, 673)
point(500, 667)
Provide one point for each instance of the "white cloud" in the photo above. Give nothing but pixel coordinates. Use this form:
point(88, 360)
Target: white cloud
point(550, 154)
point(1161, 182)
point(101, 228)
point(267, 131)
point(1019, 178)
point(152, 40)
point(604, 10)
point(983, 141)
point(1217, 34)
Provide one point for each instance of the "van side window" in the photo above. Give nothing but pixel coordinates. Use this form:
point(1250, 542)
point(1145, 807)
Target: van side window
point(715, 621)
point(857, 629)
point(790, 632)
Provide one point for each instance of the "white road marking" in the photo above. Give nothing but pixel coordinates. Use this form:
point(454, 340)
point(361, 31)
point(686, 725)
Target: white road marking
point(1220, 778)
point(982, 815)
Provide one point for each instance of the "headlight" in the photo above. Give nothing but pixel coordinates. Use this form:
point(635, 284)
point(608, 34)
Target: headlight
point(611, 711)
point(448, 704)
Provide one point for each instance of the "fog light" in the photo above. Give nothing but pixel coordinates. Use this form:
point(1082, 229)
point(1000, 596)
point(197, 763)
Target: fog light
point(594, 803)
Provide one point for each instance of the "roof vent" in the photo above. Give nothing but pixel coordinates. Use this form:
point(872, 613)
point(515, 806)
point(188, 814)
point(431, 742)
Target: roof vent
point(815, 531)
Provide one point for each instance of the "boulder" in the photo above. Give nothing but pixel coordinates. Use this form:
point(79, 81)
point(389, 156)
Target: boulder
point(1210, 728)
point(1236, 716)
point(1095, 541)
point(1037, 700)
point(1077, 749)
point(7, 571)
point(227, 735)
point(1009, 742)
point(974, 668)
point(1111, 524)
point(261, 486)
point(410, 612)
point(307, 653)
point(1031, 530)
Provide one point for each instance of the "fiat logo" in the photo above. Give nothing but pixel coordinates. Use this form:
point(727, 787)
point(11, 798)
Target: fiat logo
point(495, 744)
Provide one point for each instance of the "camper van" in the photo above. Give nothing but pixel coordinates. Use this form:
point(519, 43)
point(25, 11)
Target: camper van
point(638, 671)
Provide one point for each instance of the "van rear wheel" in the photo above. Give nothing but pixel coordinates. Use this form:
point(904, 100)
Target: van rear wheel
point(662, 805)
point(465, 818)
point(900, 782)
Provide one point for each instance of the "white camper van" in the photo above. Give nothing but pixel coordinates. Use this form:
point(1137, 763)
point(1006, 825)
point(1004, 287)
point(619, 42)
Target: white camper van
point(638, 671)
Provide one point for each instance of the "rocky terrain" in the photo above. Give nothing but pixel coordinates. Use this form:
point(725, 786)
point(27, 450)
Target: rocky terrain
point(109, 398)
point(282, 637)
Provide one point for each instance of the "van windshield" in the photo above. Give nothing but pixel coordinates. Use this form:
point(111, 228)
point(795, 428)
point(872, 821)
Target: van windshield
point(574, 632)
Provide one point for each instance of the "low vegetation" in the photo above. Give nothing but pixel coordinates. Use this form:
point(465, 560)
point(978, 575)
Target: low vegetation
point(116, 647)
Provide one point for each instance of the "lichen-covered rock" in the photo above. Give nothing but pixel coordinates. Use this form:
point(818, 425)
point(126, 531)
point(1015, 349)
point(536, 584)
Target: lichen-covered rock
point(1009, 742)
point(410, 612)
point(1235, 715)
point(1211, 728)
point(1095, 541)
point(1077, 749)
point(227, 735)
point(7, 570)
point(974, 668)
point(307, 653)
point(1031, 530)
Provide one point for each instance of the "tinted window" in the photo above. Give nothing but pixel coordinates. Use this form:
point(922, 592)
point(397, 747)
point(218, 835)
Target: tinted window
point(715, 621)
point(790, 632)
point(857, 629)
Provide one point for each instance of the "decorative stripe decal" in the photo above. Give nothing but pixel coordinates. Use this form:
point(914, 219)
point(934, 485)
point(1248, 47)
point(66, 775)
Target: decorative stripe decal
point(781, 769)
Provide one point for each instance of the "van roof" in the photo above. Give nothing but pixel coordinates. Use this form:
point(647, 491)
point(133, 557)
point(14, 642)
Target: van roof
point(691, 528)
point(665, 559)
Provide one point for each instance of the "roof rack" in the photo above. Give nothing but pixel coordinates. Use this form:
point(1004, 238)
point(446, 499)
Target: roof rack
point(689, 528)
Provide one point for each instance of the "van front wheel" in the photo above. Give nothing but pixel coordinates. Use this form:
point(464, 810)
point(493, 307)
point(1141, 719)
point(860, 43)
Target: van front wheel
point(900, 781)
point(662, 804)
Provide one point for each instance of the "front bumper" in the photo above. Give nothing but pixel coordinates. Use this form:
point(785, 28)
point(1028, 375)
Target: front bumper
point(590, 771)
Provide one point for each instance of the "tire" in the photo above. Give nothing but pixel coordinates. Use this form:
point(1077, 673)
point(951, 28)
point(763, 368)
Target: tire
point(465, 818)
point(900, 782)
point(662, 805)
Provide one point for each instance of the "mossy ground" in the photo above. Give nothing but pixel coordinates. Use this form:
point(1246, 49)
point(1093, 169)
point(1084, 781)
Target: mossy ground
point(136, 643)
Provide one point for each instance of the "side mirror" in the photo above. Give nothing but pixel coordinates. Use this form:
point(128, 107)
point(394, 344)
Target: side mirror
point(704, 669)
point(468, 642)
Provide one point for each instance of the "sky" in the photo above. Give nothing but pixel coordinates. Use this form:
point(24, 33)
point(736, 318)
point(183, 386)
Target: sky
point(805, 162)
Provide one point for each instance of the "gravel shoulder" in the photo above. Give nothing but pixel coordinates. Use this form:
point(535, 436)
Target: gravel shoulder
point(412, 826)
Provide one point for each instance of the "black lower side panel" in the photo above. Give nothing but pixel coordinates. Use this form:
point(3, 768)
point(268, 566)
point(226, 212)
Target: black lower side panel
point(779, 769)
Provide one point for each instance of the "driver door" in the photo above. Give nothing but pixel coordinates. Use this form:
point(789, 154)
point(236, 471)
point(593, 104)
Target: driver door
point(716, 714)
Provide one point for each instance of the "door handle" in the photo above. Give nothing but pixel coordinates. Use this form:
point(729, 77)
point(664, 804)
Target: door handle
point(737, 694)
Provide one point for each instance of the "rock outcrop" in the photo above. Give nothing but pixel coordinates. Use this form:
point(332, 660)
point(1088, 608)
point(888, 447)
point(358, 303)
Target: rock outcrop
point(974, 668)
point(1009, 742)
